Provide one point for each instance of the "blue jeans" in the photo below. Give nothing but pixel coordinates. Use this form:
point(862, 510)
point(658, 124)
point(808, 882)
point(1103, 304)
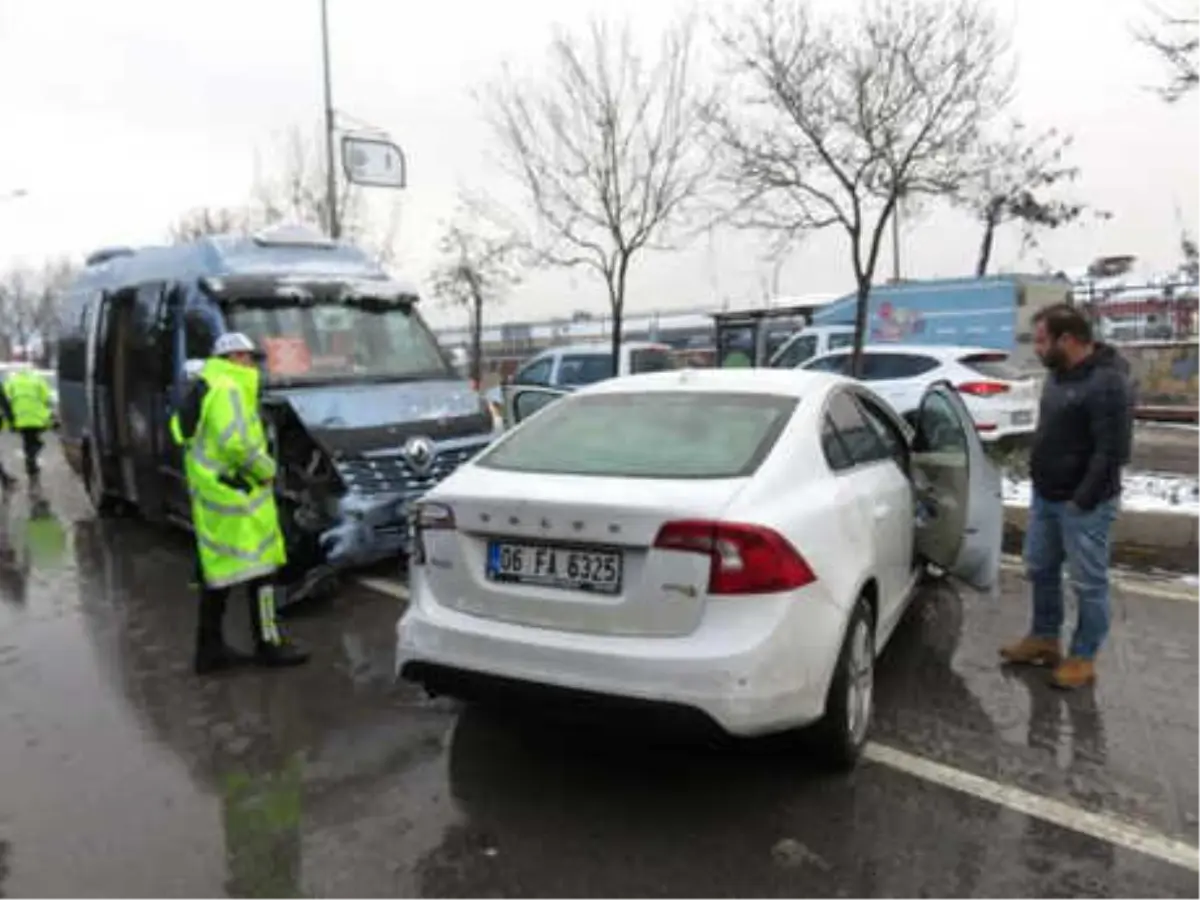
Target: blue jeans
point(1057, 533)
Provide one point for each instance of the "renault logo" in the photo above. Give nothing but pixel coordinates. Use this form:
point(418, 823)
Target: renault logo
point(420, 453)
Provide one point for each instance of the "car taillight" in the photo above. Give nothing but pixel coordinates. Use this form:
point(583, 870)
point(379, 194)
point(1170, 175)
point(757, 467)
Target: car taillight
point(745, 559)
point(983, 388)
point(434, 517)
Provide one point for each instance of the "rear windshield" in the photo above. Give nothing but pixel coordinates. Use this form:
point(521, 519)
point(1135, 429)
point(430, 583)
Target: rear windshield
point(669, 434)
point(993, 365)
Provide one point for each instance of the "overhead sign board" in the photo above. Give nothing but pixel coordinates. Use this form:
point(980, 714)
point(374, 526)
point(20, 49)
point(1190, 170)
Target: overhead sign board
point(373, 161)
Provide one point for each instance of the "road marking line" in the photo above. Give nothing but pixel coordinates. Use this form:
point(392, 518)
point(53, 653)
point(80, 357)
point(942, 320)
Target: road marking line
point(391, 587)
point(1105, 828)
point(1144, 587)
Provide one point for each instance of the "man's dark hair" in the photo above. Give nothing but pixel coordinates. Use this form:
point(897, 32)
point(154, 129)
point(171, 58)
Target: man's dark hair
point(1063, 318)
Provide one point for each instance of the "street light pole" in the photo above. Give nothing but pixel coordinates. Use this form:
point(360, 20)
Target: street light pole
point(331, 199)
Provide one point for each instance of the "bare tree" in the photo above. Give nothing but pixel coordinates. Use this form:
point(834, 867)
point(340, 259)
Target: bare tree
point(56, 274)
point(18, 305)
point(1009, 183)
point(290, 187)
point(1175, 38)
point(475, 268)
point(607, 151)
point(30, 308)
point(833, 121)
point(206, 220)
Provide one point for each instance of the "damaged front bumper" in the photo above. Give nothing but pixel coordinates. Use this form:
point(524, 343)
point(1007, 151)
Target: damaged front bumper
point(371, 520)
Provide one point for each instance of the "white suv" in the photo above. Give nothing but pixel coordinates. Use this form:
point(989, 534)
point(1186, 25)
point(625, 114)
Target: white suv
point(1002, 399)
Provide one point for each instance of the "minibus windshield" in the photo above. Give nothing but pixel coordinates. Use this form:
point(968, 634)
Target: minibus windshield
point(340, 341)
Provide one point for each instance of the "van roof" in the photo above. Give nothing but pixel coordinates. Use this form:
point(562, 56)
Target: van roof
point(273, 253)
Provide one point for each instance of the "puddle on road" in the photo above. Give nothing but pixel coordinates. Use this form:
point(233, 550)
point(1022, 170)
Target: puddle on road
point(125, 775)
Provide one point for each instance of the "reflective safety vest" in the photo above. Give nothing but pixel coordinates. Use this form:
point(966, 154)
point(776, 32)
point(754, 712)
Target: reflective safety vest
point(29, 396)
point(229, 473)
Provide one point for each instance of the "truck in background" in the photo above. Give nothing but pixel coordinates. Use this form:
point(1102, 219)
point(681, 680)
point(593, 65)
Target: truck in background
point(994, 312)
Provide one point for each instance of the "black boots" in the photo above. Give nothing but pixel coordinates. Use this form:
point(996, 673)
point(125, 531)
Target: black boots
point(271, 649)
point(212, 653)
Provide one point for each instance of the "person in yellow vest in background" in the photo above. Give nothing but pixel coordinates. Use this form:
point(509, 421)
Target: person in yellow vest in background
point(31, 413)
point(230, 476)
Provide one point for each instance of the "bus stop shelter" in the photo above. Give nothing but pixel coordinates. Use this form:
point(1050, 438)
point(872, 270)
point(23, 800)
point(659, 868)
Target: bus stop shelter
point(748, 338)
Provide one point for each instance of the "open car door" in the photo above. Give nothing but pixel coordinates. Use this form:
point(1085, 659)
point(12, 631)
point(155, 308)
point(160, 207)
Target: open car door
point(960, 517)
point(522, 400)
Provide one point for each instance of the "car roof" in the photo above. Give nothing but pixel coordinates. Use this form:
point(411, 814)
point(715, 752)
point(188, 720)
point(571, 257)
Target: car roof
point(941, 351)
point(778, 382)
point(598, 349)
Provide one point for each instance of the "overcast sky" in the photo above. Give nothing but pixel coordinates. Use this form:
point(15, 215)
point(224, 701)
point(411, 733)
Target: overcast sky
point(120, 115)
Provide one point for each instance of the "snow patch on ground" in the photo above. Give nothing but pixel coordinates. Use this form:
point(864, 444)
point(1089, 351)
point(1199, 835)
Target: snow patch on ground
point(1142, 491)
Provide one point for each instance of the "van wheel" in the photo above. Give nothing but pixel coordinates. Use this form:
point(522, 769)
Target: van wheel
point(842, 734)
point(102, 503)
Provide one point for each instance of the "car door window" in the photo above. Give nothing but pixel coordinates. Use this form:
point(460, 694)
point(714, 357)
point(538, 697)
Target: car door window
point(838, 341)
point(835, 363)
point(801, 349)
point(859, 439)
point(889, 435)
point(961, 521)
point(580, 369)
point(537, 372)
point(891, 366)
point(650, 359)
point(834, 447)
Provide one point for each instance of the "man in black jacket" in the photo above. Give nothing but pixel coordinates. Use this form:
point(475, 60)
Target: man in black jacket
point(1084, 436)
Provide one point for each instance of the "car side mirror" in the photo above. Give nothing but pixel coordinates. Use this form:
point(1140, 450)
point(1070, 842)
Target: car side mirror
point(529, 402)
point(192, 369)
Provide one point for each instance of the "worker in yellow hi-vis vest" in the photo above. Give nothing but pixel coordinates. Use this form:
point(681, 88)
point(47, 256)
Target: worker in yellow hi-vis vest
point(230, 476)
point(31, 412)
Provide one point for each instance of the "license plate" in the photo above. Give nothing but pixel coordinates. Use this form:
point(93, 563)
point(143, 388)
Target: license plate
point(568, 568)
point(1024, 417)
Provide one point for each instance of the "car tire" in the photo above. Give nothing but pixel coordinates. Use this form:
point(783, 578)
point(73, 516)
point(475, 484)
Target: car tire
point(843, 732)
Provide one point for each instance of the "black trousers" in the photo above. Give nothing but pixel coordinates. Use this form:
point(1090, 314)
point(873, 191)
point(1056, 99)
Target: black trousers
point(260, 596)
point(31, 440)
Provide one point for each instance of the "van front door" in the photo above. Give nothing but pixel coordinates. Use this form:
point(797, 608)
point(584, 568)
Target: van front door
point(112, 467)
point(146, 387)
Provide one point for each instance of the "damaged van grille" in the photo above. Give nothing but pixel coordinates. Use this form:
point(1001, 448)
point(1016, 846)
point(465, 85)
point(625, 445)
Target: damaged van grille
point(393, 474)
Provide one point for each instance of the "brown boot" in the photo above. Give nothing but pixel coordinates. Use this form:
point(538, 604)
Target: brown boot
point(1032, 651)
point(1073, 673)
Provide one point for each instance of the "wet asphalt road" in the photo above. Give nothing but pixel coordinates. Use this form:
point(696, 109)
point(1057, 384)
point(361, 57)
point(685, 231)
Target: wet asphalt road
point(122, 774)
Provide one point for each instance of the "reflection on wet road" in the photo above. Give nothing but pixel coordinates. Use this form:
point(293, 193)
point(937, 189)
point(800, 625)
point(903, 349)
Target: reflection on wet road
point(122, 774)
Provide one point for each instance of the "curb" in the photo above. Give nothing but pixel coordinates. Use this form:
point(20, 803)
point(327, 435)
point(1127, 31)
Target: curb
point(1143, 540)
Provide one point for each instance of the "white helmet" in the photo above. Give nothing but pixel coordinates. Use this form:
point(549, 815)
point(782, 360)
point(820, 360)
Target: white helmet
point(232, 342)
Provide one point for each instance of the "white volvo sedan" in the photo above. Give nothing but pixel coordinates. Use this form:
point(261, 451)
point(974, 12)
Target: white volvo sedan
point(738, 543)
